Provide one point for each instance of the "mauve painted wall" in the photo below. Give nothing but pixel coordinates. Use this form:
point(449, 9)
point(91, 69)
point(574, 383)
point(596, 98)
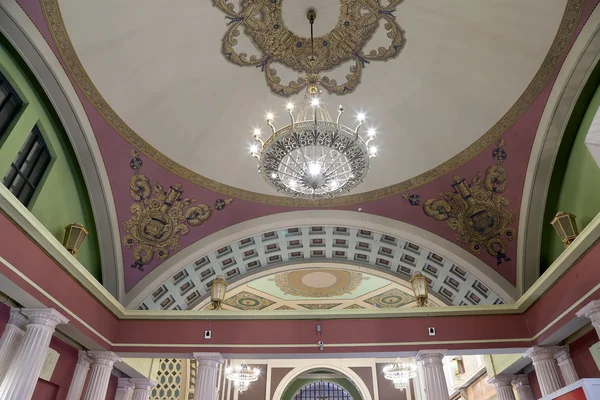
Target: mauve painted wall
point(58, 387)
point(366, 374)
point(277, 375)
point(582, 358)
point(535, 386)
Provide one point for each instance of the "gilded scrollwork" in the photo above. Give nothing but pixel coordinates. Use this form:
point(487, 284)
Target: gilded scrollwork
point(476, 210)
point(159, 217)
point(262, 22)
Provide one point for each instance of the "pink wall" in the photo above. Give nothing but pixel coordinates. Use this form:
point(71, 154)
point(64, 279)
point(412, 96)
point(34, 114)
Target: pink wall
point(535, 386)
point(58, 386)
point(582, 358)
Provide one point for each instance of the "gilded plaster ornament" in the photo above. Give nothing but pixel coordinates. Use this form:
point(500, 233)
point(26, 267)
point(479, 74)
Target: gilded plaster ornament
point(477, 210)
point(263, 23)
point(292, 283)
point(159, 217)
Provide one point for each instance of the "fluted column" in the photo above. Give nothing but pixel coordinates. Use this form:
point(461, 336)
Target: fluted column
point(545, 368)
point(124, 389)
point(22, 375)
point(102, 365)
point(592, 311)
point(565, 363)
point(143, 386)
point(433, 374)
point(13, 335)
point(206, 378)
point(503, 385)
point(522, 388)
point(79, 376)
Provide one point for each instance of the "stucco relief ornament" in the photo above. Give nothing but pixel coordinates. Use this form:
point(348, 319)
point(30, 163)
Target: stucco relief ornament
point(263, 23)
point(159, 217)
point(477, 210)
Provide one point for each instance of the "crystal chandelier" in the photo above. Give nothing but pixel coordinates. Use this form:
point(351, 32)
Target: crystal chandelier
point(313, 157)
point(242, 376)
point(399, 373)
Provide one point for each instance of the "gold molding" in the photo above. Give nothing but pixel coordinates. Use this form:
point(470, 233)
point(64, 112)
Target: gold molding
point(73, 65)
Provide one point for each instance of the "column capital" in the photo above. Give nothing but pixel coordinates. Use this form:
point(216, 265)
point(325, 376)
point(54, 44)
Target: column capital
point(541, 353)
point(143, 383)
point(125, 384)
point(431, 356)
point(107, 358)
point(501, 380)
point(591, 311)
point(84, 359)
point(211, 360)
point(17, 319)
point(562, 354)
point(519, 381)
point(44, 316)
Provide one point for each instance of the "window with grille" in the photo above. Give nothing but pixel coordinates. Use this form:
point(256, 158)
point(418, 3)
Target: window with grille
point(322, 391)
point(27, 170)
point(169, 380)
point(10, 104)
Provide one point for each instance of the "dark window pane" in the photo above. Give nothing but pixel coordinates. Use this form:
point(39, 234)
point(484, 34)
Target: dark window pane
point(26, 172)
point(10, 104)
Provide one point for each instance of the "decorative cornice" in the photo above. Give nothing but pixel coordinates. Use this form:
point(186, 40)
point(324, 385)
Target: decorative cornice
point(143, 383)
point(558, 48)
point(501, 380)
point(44, 316)
point(84, 359)
point(431, 357)
point(539, 354)
point(17, 319)
point(104, 358)
point(562, 354)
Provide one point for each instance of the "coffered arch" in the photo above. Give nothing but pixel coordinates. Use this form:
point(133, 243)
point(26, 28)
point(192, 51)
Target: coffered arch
point(252, 249)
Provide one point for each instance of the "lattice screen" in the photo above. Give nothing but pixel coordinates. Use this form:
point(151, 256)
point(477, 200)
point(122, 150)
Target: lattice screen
point(169, 378)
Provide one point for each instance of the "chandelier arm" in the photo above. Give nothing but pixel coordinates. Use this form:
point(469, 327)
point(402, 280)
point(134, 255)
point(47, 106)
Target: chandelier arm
point(292, 119)
point(340, 112)
point(360, 123)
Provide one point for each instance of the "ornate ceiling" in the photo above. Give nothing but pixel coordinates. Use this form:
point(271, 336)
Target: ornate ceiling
point(172, 114)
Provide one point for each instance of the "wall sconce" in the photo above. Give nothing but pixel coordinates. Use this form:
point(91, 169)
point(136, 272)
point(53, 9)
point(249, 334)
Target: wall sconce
point(217, 292)
point(75, 234)
point(457, 367)
point(566, 227)
point(420, 289)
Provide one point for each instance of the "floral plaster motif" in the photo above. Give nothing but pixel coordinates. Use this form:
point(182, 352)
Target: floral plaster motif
point(320, 306)
point(292, 283)
point(391, 299)
point(159, 217)
point(248, 301)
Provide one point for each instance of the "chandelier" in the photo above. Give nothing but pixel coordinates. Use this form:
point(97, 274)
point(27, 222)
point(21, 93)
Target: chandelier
point(242, 376)
point(313, 157)
point(399, 373)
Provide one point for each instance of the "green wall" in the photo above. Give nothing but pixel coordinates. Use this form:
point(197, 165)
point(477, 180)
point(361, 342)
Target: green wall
point(575, 183)
point(291, 390)
point(62, 198)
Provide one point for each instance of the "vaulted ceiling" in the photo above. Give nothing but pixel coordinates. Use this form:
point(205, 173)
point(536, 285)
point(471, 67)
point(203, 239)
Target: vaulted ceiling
point(456, 110)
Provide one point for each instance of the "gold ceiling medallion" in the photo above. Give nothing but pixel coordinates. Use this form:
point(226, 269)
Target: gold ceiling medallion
point(159, 218)
point(262, 21)
point(477, 210)
point(294, 283)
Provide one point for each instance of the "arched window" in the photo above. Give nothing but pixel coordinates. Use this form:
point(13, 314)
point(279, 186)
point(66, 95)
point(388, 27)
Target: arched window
point(322, 391)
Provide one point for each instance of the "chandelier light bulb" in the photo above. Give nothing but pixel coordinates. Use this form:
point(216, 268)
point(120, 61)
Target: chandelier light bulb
point(373, 150)
point(289, 106)
point(314, 168)
point(371, 133)
point(361, 117)
point(253, 149)
point(269, 117)
point(273, 175)
point(315, 102)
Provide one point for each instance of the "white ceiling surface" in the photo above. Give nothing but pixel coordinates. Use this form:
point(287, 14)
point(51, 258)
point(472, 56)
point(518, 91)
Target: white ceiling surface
point(158, 64)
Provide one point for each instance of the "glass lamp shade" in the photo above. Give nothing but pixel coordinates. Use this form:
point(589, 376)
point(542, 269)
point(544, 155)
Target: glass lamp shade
point(75, 234)
point(420, 289)
point(217, 292)
point(566, 227)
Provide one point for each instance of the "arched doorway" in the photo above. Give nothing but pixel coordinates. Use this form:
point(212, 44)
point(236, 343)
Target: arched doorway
point(322, 389)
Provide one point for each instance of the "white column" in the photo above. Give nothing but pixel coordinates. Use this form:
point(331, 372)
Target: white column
point(206, 378)
point(143, 386)
point(23, 373)
point(124, 389)
point(545, 368)
point(503, 385)
point(592, 311)
point(522, 388)
point(566, 366)
point(433, 374)
point(79, 376)
point(102, 365)
point(13, 335)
